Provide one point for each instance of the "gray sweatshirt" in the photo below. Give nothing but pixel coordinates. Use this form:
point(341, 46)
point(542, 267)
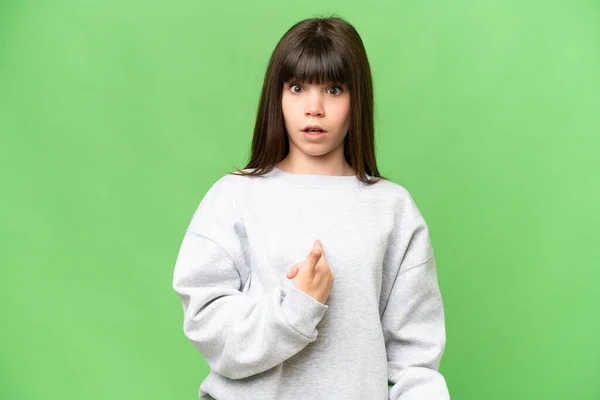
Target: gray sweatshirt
point(382, 324)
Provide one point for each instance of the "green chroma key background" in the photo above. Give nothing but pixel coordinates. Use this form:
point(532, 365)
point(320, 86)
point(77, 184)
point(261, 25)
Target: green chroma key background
point(116, 117)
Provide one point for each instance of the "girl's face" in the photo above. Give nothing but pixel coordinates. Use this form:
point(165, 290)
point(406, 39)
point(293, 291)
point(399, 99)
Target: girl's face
point(326, 105)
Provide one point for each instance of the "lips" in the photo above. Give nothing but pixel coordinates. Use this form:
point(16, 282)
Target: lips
point(313, 128)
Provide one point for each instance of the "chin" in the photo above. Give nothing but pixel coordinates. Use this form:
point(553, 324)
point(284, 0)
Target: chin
point(316, 152)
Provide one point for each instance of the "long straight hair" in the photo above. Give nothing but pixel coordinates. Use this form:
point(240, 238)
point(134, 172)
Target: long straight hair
point(316, 50)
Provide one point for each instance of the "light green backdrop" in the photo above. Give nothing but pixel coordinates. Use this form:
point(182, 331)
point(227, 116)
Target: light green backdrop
point(117, 116)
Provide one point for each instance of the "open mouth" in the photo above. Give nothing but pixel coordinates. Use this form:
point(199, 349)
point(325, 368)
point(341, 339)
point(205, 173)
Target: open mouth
point(314, 131)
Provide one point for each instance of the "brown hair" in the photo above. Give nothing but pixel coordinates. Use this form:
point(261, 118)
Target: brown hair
point(317, 50)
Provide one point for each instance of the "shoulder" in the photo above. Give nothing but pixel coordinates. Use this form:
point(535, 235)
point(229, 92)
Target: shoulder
point(230, 188)
point(402, 208)
point(229, 180)
point(218, 204)
point(398, 194)
point(410, 229)
point(220, 192)
point(233, 183)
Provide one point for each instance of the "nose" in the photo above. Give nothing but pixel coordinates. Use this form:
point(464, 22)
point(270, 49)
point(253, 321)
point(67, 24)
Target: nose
point(314, 105)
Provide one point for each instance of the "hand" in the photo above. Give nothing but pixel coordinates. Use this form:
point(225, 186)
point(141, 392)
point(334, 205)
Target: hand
point(312, 275)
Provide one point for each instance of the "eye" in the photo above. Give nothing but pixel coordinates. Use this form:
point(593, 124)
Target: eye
point(292, 86)
point(337, 87)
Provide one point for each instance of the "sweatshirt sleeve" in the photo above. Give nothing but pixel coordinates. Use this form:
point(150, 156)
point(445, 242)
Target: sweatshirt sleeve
point(238, 335)
point(413, 322)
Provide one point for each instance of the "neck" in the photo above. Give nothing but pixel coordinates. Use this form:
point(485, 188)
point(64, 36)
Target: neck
point(309, 165)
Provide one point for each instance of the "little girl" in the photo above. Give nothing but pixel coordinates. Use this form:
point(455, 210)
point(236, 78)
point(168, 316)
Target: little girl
point(308, 275)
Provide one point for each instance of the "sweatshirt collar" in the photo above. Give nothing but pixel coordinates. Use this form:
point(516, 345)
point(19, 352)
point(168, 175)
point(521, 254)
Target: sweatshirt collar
point(316, 181)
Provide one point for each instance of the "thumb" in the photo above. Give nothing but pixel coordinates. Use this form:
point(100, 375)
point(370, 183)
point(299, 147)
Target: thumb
point(292, 272)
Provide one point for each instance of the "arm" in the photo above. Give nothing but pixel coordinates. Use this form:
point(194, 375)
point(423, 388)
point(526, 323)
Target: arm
point(415, 336)
point(238, 335)
point(413, 322)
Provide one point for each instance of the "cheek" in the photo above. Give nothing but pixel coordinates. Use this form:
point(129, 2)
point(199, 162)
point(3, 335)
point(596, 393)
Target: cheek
point(342, 111)
point(286, 106)
point(288, 115)
point(285, 110)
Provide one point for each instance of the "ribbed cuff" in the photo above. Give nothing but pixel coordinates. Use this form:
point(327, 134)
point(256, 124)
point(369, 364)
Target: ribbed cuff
point(301, 311)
